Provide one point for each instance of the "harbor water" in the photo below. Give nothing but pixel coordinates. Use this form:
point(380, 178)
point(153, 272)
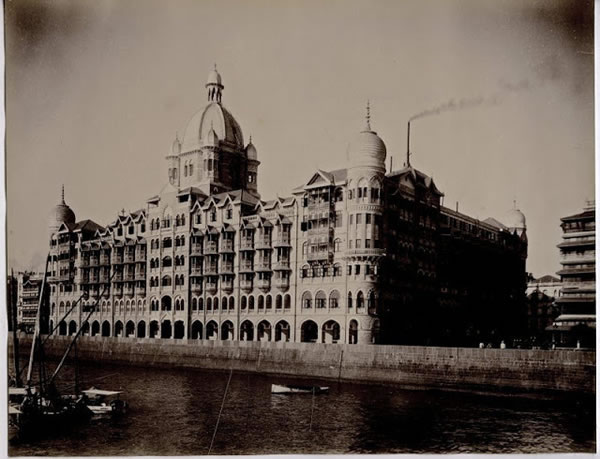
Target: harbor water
point(175, 412)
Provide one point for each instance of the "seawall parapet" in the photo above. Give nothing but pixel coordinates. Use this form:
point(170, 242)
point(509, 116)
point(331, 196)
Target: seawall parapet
point(443, 367)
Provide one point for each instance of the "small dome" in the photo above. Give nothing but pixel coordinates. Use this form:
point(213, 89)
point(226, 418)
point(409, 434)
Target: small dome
point(214, 77)
point(61, 213)
point(367, 149)
point(212, 139)
point(251, 152)
point(515, 219)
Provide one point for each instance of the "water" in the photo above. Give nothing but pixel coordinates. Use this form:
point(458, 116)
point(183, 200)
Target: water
point(174, 412)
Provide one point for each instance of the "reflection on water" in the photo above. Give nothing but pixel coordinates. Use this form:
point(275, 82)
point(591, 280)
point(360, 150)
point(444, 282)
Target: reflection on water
point(174, 412)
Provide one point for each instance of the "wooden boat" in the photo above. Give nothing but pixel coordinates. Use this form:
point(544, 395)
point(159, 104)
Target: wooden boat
point(41, 408)
point(289, 389)
point(104, 402)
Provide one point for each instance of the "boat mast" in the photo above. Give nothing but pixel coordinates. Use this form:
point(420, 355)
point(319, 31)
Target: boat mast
point(36, 332)
point(15, 338)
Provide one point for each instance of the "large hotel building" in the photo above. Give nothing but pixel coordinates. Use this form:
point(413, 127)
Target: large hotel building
point(355, 255)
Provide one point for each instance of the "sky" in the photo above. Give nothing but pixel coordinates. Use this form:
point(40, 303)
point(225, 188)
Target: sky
point(96, 91)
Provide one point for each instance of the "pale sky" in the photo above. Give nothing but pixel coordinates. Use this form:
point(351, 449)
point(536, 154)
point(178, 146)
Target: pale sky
point(97, 89)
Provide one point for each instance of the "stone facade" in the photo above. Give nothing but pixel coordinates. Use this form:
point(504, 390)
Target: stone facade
point(341, 260)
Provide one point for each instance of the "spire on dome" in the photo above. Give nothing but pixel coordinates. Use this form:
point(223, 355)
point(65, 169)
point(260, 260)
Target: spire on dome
point(214, 85)
point(368, 117)
point(62, 194)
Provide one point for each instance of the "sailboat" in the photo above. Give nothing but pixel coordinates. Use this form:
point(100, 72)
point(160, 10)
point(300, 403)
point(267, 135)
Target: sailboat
point(37, 407)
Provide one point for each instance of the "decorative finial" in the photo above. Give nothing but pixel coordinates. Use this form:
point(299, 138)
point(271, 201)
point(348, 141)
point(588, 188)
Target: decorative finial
point(215, 66)
point(62, 195)
point(368, 115)
point(250, 139)
point(514, 203)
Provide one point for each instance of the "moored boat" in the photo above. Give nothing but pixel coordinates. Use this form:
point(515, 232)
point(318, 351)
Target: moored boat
point(104, 402)
point(297, 389)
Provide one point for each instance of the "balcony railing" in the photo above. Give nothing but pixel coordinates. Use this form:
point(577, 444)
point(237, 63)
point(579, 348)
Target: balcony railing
point(94, 261)
point(283, 283)
point(196, 270)
point(246, 268)
point(196, 289)
point(196, 250)
point(117, 259)
point(282, 241)
point(262, 267)
point(281, 265)
point(226, 246)
point(211, 270)
point(246, 284)
point(129, 258)
point(226, 268)
point(105, 260)
point(321, 255)
point(263, 243)
point(210, 248)
point(247, 244)
point(227, 285)
point(211, 288)
point(263, 284)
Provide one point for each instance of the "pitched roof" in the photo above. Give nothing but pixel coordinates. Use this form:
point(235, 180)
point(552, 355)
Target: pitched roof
point(492, 221)
point(87, 225)
point(547, 278)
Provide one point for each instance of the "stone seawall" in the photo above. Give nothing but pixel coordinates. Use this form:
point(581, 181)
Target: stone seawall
point(489, 369)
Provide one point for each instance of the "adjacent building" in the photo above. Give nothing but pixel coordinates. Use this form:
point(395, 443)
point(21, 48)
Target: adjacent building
point(28, 294)
point(541, 308)
point(359, 254)
point(576, 324)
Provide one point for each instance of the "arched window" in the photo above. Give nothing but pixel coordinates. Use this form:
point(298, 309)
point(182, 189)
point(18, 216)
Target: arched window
point(231, 303)
point(269, 302)
point(336, 245)
point(244, 303)
point(278, 302)
point(209, 304)
point(191, 169)
point(306, 300)
point(287, 302)
point(360, 300)
point(320, 299)
point(349, 300)
point(261, 302)
point(251, 303)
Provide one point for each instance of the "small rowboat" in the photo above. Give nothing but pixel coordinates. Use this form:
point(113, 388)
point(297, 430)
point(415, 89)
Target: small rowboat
point(290, 389)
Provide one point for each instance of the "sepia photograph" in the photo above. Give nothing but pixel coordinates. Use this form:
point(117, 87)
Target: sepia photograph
point(252, 227)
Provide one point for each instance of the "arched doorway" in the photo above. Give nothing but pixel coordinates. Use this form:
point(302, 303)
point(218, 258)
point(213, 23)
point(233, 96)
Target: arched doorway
point(118, 328)
point(85, 329)
point(375, 332)
point(166, 329)
point(154, 329)
point(247, 331)
point(227, 331)
point(141, 329)
point(62, 328)
point(130, 329)
point(353, 332)
point(282, 331)
point(179, 329)
point(309, 332)
point(106, 328)
point(165, 303)
point(212, 330)
point(331, 332)
point(197, 330)
point(72, 328)
point(95, 328)
point(263, 331)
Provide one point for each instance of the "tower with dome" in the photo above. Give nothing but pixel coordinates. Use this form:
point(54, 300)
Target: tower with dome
point(356, 255)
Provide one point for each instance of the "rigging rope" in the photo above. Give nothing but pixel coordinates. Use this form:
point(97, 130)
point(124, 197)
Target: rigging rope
point(220, 412)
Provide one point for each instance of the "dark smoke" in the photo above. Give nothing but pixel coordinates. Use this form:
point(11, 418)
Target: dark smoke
point(461, 104)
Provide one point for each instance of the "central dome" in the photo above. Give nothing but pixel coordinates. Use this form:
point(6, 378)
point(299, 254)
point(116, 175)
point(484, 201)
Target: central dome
point(367, 149)
point(215, 117)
